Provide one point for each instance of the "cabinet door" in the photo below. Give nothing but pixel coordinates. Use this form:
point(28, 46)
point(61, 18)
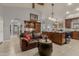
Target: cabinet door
point(37, 27)
point(68, 23)
point(75, 35)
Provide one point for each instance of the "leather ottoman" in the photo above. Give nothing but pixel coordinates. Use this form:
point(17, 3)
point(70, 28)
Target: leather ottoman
point(45, 48)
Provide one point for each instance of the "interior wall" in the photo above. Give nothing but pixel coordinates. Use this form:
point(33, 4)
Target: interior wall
point(1, 24)
point(20, 13)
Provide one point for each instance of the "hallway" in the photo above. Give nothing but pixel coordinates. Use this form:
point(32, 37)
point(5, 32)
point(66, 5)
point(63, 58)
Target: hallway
point(12, 48)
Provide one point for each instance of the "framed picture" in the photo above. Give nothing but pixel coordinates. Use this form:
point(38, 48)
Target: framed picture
point(33, 17)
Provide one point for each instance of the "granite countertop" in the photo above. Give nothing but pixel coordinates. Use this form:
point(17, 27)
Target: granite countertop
point(71, 30)
point(59, 31)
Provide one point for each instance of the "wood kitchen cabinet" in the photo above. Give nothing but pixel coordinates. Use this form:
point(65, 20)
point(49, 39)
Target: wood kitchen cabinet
point(56, 37)
point(75, 35)
point(59, 38)
point(68, 23)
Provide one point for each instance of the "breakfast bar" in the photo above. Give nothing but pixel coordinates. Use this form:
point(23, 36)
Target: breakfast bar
point(56, 37)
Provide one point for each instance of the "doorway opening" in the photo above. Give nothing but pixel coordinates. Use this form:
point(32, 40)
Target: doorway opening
point(15, 28)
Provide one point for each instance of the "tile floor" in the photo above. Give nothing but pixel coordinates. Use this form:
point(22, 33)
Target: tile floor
point(12, 48)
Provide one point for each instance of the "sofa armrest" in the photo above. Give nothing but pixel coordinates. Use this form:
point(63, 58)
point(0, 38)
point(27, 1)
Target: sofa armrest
point(32, 41)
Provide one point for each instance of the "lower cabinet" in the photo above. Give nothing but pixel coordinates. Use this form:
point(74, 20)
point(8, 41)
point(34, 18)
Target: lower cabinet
point(56, 37)
point(75, 35)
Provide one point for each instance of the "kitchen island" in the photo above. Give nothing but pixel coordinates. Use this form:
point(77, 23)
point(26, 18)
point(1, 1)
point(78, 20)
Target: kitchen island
point(56, 37)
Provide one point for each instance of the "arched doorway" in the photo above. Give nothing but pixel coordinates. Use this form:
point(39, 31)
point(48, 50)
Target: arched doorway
point(15, 28)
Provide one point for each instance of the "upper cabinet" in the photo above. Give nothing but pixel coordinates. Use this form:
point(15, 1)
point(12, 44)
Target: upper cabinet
point(72, 23)
point(68, 23)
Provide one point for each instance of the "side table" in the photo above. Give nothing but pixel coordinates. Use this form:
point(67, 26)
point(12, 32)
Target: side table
point(45, 48)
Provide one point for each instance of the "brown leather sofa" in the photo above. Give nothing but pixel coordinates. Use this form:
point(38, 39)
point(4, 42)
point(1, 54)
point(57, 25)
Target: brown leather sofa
point(29, 45)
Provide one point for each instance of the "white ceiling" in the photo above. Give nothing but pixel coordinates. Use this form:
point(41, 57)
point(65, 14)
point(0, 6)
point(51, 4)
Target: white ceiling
point(72, 7)
point(59, 8)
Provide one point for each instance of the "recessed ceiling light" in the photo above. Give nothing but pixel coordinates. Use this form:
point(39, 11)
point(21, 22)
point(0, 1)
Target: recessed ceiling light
point(77, 9)
point(67, 12)
point(69, 3)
